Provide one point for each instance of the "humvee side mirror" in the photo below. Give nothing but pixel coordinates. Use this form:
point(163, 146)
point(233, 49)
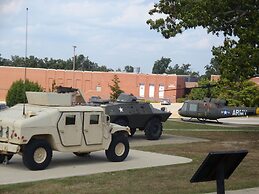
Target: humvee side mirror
point(108, 119)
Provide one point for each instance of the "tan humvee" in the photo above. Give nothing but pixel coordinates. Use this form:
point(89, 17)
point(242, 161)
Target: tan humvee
point(52, 122)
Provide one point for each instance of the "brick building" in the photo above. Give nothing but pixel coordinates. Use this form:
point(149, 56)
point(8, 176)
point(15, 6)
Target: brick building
point(146, 86)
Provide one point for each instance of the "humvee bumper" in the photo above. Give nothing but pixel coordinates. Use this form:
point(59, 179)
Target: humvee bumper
point(7, 147)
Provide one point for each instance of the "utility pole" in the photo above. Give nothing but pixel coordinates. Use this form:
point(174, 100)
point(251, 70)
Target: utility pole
point(74, 66)
point(74, 60)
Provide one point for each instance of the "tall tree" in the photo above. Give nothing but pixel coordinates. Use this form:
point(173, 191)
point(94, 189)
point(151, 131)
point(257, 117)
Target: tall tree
point(234, 18)
point(161, 65)
point(82, 63)
point(184, 69)
point(129, 68)
point(213, 68)
point(115, 88)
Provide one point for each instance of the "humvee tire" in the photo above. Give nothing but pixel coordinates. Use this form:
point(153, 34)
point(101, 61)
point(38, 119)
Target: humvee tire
point(153, 129)
point(118, 149)
point(37, 154)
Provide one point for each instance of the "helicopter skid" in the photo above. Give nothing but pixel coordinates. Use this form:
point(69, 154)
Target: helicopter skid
point(201, 120)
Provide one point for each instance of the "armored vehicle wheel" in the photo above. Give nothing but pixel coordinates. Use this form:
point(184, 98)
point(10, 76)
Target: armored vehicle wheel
point(2, 157)
point(82, 154)
point(132, 131)
point(37, 154)
point(153, 129)
point(118, 149)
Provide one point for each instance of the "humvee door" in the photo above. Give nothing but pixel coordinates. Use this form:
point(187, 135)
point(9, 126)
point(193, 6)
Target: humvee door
point(70, 128)
point(93, 129)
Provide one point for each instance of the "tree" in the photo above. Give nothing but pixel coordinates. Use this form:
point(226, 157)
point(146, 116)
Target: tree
point(161, 65)
point(244, 93)
point(82, 63)
point(16, 93)
point(213, 68)
point(129, 68)
point(210, 90)
point(237, 18)
point(184, 69)
point(115, 88)
point(234, 59)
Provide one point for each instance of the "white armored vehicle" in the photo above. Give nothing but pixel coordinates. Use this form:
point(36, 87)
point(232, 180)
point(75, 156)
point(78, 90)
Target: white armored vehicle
point(53, 122)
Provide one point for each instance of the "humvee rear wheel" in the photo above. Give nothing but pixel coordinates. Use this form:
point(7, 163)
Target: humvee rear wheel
point(153, 129)
point(118, 149)
point(37, 155)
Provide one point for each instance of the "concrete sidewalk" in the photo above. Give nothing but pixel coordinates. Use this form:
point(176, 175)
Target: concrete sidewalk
point(242, 191)
point(67, 165)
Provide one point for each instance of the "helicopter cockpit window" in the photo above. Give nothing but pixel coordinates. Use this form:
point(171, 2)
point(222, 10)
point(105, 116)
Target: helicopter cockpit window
point(184, 108)
point(193, 107)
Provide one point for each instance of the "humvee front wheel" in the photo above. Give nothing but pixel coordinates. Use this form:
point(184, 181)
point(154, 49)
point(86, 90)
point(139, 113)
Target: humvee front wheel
point(153, 129)
point(37, 155)
point(118, 149)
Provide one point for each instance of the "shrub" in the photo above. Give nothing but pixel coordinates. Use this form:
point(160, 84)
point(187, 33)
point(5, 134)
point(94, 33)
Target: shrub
point(16, 93)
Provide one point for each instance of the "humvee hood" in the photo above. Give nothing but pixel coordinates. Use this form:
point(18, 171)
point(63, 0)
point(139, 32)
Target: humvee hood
point(34, 115)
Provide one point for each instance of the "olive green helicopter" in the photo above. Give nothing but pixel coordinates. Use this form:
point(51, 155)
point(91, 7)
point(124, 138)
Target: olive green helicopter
point(212, 108)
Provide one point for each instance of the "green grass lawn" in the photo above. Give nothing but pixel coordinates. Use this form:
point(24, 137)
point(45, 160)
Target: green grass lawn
point(166, 179)
point(177, 124)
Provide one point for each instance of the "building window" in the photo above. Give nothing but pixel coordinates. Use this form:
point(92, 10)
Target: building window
point(161, 91)
point(94, 119)
point(151, 90)
point(98, 88)
point(141, 90)
point(70, 119)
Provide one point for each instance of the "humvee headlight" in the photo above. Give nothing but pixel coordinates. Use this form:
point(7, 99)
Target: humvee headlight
point(7, 132)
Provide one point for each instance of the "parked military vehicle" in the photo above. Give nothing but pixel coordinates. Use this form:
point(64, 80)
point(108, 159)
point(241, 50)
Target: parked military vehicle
point(52, 122)
point(127, 111)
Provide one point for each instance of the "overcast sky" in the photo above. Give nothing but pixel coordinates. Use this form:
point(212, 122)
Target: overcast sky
point(111, 32)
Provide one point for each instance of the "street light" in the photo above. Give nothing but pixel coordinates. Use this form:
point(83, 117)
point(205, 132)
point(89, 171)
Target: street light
point(74, 61)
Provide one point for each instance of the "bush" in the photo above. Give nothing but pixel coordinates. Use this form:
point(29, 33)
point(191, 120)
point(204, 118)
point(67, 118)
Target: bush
point(16, 93)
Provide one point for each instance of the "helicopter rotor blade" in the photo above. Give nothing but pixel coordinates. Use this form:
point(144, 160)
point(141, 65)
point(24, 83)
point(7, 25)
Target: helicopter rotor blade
point(204, 86)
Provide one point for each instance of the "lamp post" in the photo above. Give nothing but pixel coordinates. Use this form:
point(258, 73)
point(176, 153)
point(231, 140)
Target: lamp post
point(74, 60)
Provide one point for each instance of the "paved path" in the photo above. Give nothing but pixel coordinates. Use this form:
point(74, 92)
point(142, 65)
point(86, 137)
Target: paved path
point(242, 191)
point(139, 139)
point(241, 120)
point(67, 165)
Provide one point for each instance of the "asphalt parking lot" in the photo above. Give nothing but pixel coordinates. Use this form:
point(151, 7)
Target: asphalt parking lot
point(67, 164)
